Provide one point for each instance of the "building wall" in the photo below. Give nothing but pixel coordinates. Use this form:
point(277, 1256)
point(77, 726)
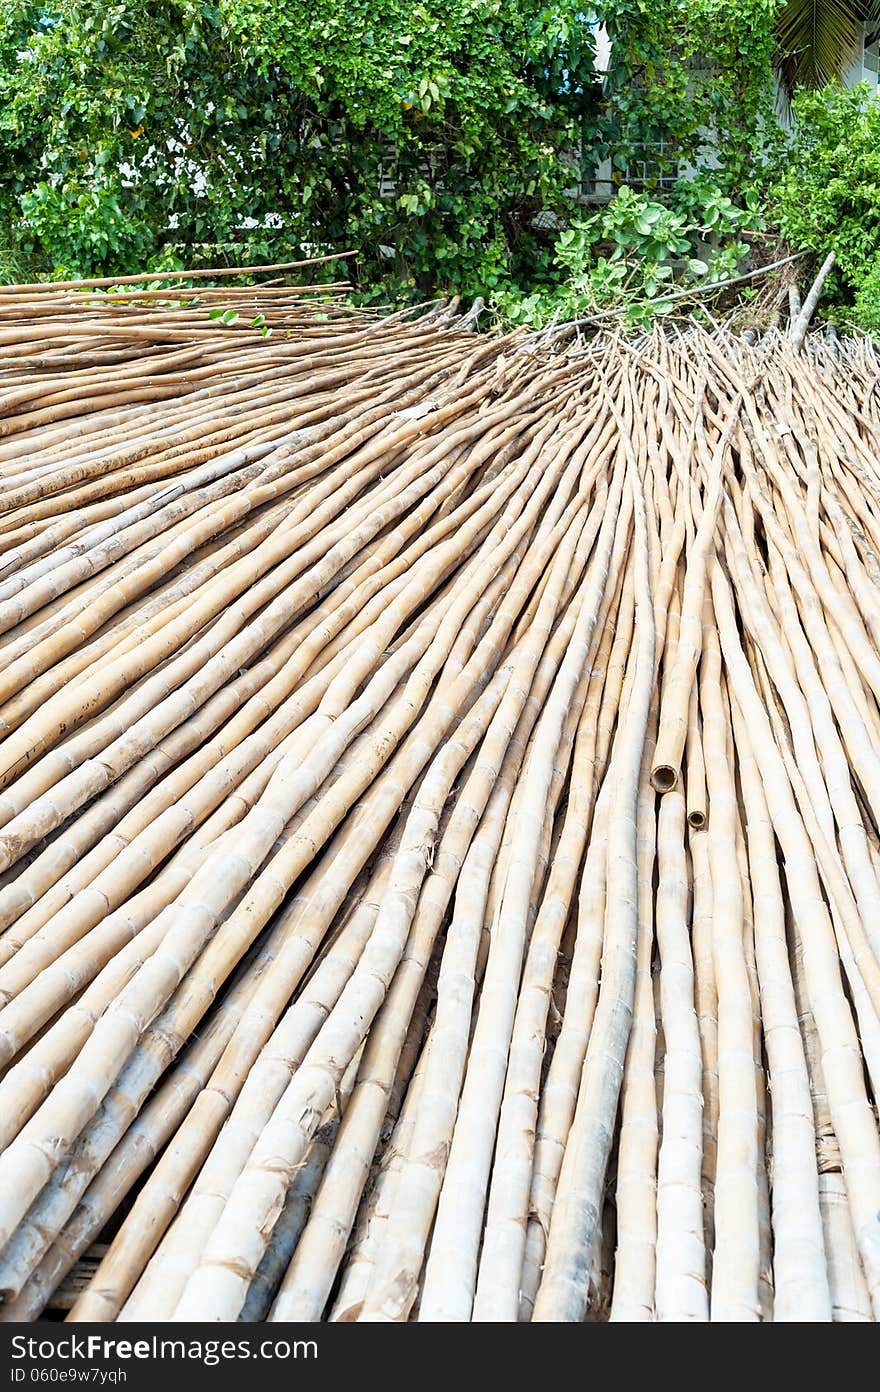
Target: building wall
point(866, 66)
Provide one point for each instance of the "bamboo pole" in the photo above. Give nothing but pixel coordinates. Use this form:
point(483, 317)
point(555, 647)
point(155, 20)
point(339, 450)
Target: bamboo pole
point(335, 667)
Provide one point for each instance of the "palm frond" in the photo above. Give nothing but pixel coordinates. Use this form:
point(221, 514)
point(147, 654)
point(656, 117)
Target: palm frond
point(817, 40)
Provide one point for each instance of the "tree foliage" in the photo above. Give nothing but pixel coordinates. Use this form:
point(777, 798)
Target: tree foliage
point(428, 136)
point(443, 139)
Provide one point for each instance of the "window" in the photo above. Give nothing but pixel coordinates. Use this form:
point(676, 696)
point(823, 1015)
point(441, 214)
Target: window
point(655, 166)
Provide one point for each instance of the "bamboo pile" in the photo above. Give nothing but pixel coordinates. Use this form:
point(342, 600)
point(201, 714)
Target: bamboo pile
point(439, 817)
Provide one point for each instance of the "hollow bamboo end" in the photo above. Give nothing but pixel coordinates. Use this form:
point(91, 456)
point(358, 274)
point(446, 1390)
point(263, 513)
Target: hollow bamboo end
point(664, 778)
point(697, 820)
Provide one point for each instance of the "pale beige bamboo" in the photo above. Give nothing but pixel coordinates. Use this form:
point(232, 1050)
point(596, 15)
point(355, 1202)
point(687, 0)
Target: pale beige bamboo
point(800, 1278)
point(681, 1292)
point(632, 1293)
point(498, 1284)
point(399, 1243)
point(559, 1092)
point(451, 1270)
point(850, 1301)
point(706, 1003)
point(672, 734)
point(139, 1147)
point(379, 1203)
point(221, 1276)
point(850, 1110)
point(562, 1292)
point(162, 1195)
point(205, 882)
point(306, 1284)
point(735, 1262)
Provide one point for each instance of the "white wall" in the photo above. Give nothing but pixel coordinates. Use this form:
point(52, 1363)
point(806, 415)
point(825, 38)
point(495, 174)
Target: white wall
point(866, 65)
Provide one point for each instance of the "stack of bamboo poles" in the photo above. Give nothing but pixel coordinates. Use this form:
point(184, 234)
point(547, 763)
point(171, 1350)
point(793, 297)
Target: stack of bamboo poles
point(439, 819)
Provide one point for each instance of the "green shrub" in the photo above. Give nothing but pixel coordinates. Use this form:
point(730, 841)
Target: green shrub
point(866, 308)
point(828, 198)
point(635, 251)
